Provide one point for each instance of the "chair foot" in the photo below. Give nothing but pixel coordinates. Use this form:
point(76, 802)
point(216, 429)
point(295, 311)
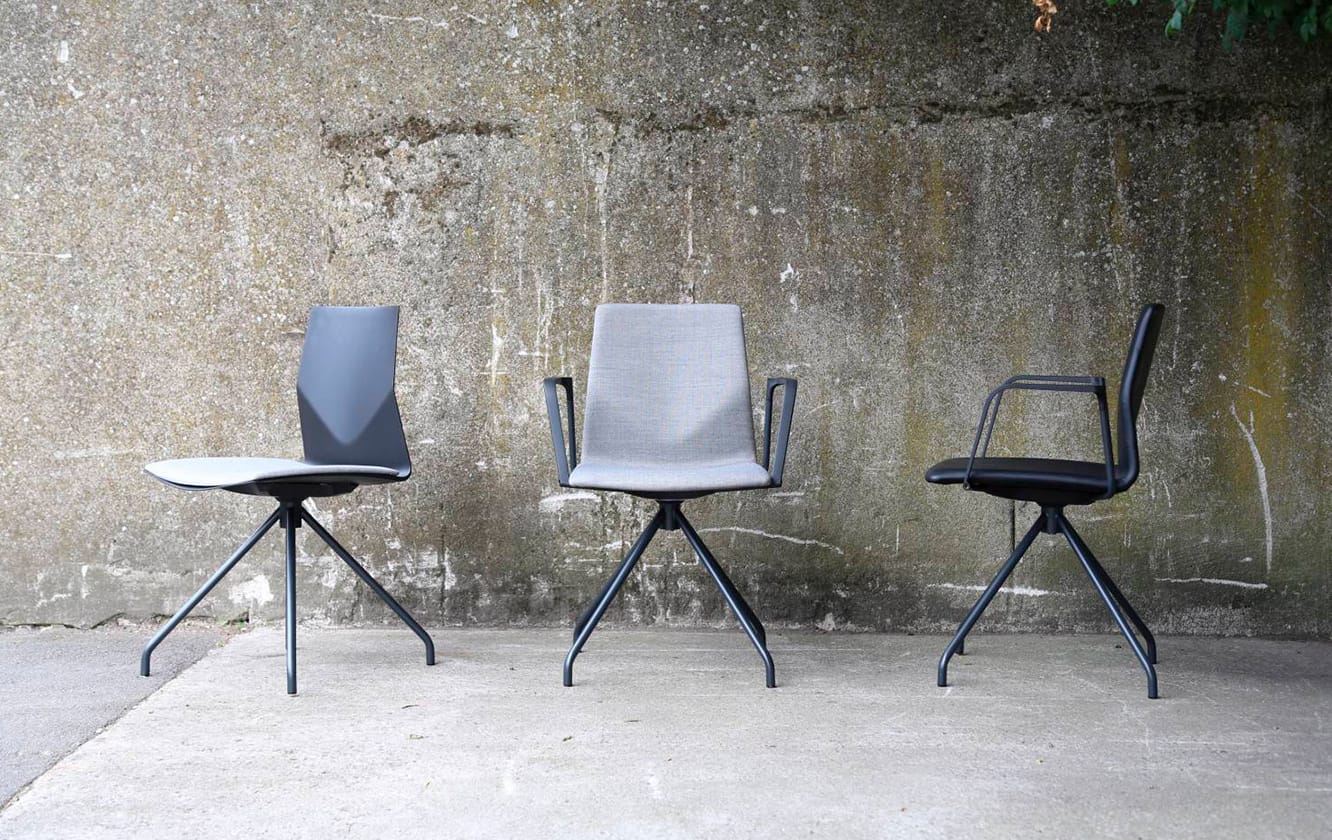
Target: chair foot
point(959, 639)
point(369, 580)
point(588, 621)
point(145, 659)
point(743, 613)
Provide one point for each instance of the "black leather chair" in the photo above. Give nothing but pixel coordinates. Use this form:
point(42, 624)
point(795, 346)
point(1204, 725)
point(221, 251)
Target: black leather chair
point(1054, 484)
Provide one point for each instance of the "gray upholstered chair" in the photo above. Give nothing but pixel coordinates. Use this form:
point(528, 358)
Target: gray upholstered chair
point(668, 418)
point(352, 435)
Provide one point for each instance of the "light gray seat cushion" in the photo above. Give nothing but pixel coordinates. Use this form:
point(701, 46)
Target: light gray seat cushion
point(221, 473)
point(667, 405)
point(659, 478)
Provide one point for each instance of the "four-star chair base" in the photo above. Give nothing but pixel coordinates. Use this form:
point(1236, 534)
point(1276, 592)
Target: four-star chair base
point(670, 518)
point(1053, 521)
point(289, 514)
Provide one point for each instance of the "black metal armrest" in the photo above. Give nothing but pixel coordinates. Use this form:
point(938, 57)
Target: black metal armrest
point(1034, 382)
point(566, 453)
point(777, 457)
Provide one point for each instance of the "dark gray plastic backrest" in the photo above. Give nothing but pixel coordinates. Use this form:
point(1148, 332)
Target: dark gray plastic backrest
point(1131, 388)
point(349, 414)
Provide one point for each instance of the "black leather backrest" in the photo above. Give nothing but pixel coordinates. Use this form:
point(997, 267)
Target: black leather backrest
point(349, 414)
point(1136, 367)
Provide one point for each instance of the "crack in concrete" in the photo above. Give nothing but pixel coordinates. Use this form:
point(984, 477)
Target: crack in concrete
point(415, 130)
point(1214, 109)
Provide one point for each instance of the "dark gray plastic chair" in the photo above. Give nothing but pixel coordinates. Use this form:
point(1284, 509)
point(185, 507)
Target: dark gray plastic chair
point(352, 435)
point(668, 418)
point(1057, 483)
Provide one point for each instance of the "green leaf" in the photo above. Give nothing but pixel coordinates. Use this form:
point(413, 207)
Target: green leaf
point(1308, 18)
point(1237, 23)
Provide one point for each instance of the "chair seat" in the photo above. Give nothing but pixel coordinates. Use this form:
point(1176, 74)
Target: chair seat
point(670, 478)
point(227, 473)
point(1018, 478)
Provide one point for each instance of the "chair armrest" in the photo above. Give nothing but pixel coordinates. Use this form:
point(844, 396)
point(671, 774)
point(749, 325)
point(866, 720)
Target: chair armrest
point(777, 457)
point(1034, 382)
point(566, 453)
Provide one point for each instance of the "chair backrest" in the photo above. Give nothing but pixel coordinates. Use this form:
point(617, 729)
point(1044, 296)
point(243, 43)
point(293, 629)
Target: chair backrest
point(1136, 367)
point(668, 384)
point(349, 414)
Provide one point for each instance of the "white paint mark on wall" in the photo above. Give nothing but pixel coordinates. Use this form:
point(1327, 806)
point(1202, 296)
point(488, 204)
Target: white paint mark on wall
point(1215, 581)
point(689, 222)
point(328, 578)
point(50, 254)
point(440, 24)
point(450, 578)
point(1247, 431)
point(601, 180)
point(557, 501)
point(792, 274)
point(1011, 590)
point(254, 591)
point(496, 346)
point(754, 532)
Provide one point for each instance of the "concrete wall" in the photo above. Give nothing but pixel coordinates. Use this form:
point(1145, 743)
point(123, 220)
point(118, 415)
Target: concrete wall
point(911, 201)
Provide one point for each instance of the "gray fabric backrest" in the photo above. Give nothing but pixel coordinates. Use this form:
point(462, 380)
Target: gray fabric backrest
point(668, 384)
point(349, 414)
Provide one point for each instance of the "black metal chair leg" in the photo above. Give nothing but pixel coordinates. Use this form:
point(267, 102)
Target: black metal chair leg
point(589, 620)
point(145, 660)
point(370, 581)
point(290, 523)
point(1116, 594)
point(1090, 565)
point(611, 586)
point(752, 626)
point(986, 597)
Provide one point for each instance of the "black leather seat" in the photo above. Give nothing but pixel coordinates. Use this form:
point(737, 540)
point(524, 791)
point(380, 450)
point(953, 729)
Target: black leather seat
point(1056, 483)
point(1044, 480)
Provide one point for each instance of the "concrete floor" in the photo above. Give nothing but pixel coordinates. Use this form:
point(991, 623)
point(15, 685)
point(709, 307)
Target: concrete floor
point(671, 734)
point(61, 686)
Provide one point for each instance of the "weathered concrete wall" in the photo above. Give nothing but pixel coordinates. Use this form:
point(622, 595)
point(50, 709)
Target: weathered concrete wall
point(911, 200)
